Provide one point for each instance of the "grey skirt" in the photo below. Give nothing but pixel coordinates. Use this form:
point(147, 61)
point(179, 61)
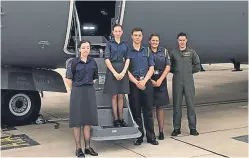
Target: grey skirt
point(83, 106)
point(112, 85)
point(161, 95)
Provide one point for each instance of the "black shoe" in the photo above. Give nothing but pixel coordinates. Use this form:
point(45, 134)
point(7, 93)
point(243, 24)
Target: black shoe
point(153, 142)
point(176, 132)
point(123, 123)
point(194, 132)
point(138, 142)
point(79, 153)
point(116, 123)
point(90, 151)
point(161, 136)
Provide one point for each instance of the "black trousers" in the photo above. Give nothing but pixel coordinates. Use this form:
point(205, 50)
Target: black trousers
point(142, 100)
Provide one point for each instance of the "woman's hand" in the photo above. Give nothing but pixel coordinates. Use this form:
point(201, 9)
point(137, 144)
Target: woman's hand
point(154, 83)
point(122, 74)
point(158, 83)
point(117, 75)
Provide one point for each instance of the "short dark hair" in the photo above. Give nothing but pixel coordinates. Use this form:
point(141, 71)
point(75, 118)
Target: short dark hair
point(136, 29)
point(117, 25)
point(83, 41)
point(182, 34)
point(154, 34)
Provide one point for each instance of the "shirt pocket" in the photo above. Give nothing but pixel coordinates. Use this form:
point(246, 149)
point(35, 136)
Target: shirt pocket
point(160, 62)
point(144, 63)
point(132, 62)
point(90, 73)
point(114, 52)
point(144, 59)
point(80, 72)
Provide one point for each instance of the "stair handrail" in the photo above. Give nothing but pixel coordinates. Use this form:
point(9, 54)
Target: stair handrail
point(77, 29)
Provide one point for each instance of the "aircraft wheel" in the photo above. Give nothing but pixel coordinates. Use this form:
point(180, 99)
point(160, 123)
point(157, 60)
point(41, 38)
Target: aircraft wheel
point(20, 107)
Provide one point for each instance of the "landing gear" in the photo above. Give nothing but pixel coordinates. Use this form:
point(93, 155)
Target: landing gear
point(42, 94)
point(19, 107)
point(236, 65)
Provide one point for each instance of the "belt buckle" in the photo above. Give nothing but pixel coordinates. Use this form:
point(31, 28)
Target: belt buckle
point(156, 72)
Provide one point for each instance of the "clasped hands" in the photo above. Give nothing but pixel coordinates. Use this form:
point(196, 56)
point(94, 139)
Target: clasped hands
point(119, 76)
point(156, 83)
point(141, 84)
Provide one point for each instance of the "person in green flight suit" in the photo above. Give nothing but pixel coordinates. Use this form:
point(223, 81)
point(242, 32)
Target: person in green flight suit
point(184, 63)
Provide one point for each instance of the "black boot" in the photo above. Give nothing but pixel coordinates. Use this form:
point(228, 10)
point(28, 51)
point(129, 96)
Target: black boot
point(194, 132)
point(176, 132)
point(153, 142)
point(139, 141)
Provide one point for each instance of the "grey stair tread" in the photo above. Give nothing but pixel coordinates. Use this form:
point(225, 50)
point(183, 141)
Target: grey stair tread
point(105, 130)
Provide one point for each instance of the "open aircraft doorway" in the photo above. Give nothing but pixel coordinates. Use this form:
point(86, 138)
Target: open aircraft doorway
point(96, 17)
point(96, 20)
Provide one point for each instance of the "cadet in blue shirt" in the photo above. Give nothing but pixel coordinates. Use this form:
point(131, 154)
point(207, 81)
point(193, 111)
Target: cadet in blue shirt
point(141, 90)
point(159, 80)
point(117, 81)
point(81, 74)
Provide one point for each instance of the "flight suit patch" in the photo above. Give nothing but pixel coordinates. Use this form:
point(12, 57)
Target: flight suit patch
point(186, 54)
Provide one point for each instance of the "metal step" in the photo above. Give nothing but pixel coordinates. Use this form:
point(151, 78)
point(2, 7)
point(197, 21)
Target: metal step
point(105, 130)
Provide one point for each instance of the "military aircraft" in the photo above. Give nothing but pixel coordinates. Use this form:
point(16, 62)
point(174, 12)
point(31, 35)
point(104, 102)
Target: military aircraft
point(41, 36)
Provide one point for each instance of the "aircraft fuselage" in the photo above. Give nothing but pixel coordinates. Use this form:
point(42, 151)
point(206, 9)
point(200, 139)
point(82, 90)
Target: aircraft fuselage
point(34, 33)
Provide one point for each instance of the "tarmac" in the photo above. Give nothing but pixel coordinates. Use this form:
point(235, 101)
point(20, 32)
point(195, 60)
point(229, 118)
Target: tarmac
point(222, 121)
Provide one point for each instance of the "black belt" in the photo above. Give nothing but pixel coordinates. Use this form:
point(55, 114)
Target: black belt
point(157, 72)
point(139, 78)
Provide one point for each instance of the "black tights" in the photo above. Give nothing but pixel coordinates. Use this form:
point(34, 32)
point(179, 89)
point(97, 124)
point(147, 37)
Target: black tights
point(158, 112)
point(77, 136)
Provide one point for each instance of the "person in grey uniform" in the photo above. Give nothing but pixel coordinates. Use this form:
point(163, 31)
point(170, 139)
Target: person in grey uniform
point(184, 63)
point(141, 90)
point(117, 81)
point(159, 80)
point(81, 74)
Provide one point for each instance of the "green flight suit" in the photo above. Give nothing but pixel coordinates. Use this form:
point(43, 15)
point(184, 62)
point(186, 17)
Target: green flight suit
point(184, 64)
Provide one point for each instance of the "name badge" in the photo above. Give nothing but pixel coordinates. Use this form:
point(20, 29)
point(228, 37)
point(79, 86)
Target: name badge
point(156, 72)
point(186, 54)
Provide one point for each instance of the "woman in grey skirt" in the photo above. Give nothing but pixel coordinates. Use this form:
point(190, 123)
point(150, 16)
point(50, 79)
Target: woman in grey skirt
point(159, 80)
point(117, 81)
point(81, 74)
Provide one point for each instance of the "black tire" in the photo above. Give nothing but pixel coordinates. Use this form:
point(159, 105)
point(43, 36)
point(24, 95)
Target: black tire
point(30, 102)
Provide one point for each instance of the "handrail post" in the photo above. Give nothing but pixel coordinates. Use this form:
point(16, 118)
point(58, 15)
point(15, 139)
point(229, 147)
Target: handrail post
point(77, 30)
